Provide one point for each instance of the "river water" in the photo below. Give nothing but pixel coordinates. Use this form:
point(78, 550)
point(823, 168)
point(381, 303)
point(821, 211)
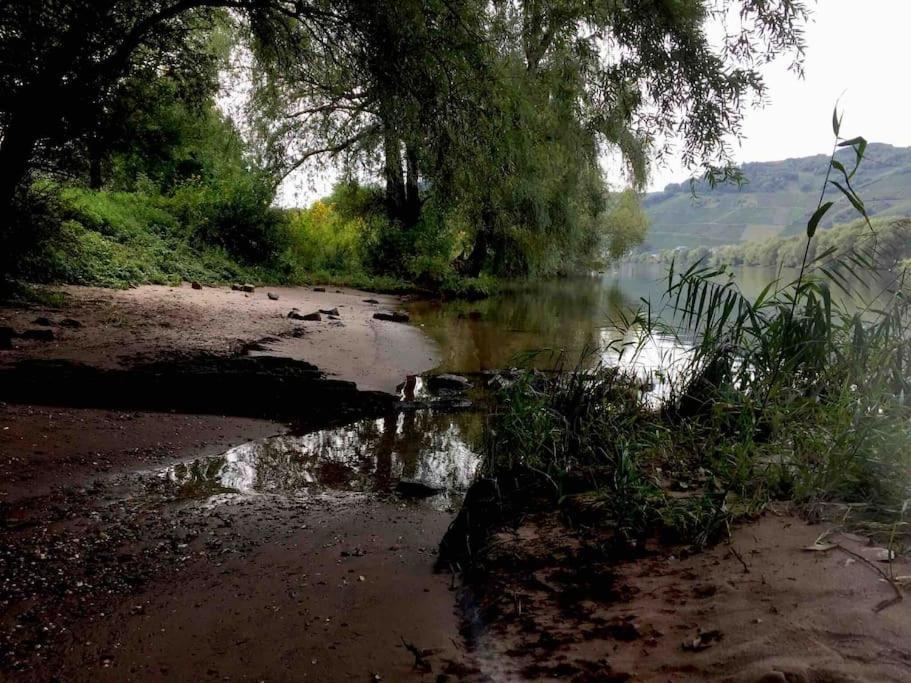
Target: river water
point(531, 323)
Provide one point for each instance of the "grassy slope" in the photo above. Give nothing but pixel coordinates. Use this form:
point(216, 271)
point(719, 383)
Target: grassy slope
point(777, 199)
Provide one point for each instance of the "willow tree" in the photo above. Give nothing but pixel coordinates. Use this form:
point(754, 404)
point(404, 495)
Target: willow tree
point(502, 112)
point(581, 78)
point(372, 90)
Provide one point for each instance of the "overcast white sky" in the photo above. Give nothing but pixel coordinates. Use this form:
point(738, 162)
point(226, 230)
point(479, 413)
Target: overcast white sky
point(859, 50)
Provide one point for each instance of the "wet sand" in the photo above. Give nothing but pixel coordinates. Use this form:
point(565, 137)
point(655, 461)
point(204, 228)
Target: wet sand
point(759, 608)
point(107, 574)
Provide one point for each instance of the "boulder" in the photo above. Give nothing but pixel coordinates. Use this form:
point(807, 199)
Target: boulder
point(448, 382)
point(392, 316)
point(410, 488)
point(247, 288)
point(330, 311)
point(272, 296)
point(237, 287)
point(297, 315)
point(195, 285)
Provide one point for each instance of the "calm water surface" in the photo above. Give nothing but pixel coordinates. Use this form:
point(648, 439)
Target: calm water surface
point(440, 448)
point(567, 315)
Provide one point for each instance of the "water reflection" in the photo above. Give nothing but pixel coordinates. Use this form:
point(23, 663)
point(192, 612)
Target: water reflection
point(552, 317)
point(569, 315)
point(425, 446)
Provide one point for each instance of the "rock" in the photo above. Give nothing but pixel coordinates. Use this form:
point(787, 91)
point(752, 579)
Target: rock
point(46, 322)
point(330, 311)
point(70, 322)
point(195, 285)
point(38, 335)
point(371, 301)
point(297, 315)
point(392, 316)
point(272, 296)
point(319, 289)
point(450, 382)
point(247, 288)
point(237, 288)
point(409, 488)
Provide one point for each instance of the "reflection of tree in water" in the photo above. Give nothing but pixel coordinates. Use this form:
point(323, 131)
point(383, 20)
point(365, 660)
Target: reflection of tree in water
point(567, 314)
point(368, 455)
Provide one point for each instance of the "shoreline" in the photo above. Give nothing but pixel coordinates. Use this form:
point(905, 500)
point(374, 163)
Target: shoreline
point(109, 572)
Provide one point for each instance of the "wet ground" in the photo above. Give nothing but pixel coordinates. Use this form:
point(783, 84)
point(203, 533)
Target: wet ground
point(138, 545)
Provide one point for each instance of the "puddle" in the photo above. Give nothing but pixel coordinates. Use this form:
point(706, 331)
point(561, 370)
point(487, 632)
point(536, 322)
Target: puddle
point(420, 447)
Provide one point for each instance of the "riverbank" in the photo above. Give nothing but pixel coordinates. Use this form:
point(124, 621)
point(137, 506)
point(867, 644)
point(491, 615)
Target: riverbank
point(117, 329)
point(111, 566)
point(240, 519)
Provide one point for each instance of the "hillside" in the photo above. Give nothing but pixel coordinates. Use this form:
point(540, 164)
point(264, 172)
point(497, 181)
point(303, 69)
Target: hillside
point(775, 201)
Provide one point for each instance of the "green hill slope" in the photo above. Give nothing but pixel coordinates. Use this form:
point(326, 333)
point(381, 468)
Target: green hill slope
point(777, 199)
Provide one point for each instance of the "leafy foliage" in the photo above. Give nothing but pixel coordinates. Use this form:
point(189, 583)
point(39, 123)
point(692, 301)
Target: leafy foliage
point(795, 394)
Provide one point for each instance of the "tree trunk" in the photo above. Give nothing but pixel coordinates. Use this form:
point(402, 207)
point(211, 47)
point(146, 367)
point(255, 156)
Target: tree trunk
point(412, 212)
point(395, 179)
point(16, 149)
point(478, 256)
point(95, 159)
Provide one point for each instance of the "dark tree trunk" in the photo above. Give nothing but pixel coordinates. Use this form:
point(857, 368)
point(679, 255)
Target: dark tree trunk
point(95, 159)
point(483, 241)
point(478, 256)
point(394, 176)
point(16, 149)
point(412, 209)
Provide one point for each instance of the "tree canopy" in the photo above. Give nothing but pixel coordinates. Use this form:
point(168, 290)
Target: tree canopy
point(489, 120)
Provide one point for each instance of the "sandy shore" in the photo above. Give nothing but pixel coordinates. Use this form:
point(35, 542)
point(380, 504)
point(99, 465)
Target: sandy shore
point(107, 574)
point(120, 328)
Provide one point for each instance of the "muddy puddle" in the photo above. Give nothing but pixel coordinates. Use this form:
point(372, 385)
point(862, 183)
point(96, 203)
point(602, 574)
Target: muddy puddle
point(426, 455)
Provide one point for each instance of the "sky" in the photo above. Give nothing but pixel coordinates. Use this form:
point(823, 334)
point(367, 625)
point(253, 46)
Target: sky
point(857, 50)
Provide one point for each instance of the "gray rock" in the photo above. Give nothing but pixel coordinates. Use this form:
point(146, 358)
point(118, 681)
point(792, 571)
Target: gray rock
point(237, 288)
point(272, 296)
point(371, 301)
point(451, 382)
point(248, 288)
point(297, 315)
point(330, 311)
point(392, 316)
point(319, 289)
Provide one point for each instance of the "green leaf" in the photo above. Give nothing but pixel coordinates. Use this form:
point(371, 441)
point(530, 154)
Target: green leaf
point(836, 122)
point(852, 197)
point(816, 217)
